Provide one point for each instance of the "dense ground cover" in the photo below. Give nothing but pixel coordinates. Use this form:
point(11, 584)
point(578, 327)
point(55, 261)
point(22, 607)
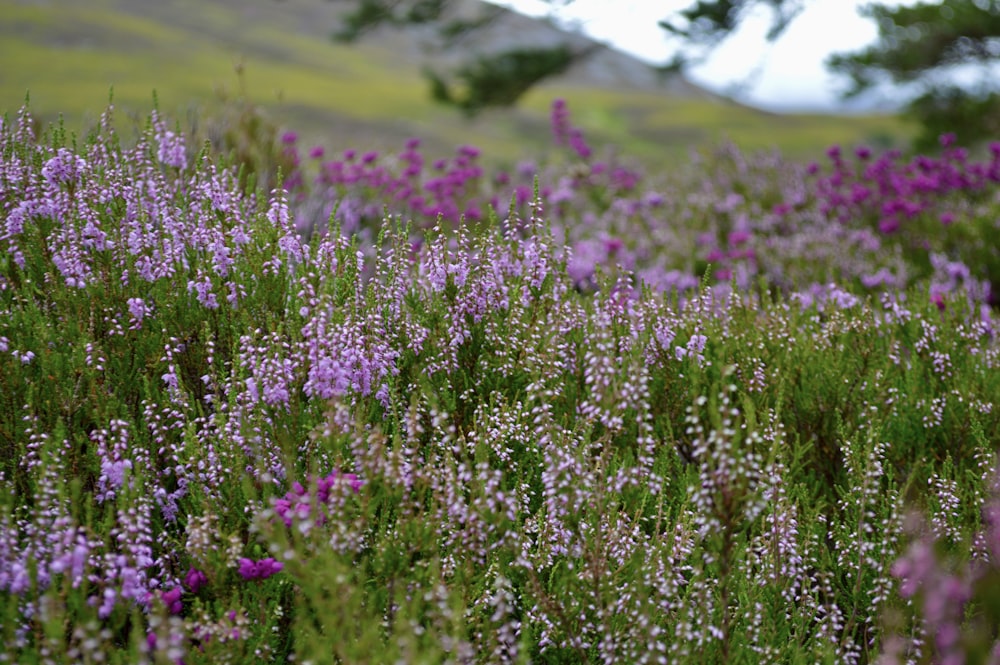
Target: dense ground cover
point(741, 413)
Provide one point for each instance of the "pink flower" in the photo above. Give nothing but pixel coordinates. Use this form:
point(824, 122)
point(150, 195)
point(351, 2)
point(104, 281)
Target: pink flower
point(259, 570)
point(938, 300)
point(194, 580)
point(172, 599)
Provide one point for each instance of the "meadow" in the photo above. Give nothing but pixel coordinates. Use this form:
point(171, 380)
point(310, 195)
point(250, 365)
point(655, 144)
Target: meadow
point(364, 406)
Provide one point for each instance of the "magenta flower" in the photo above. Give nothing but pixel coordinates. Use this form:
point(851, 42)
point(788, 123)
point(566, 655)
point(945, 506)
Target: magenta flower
point(259, 570)
point(888, 225)
point(195, 580)
point(738, 237)
point(172, 599)
point(248, 569)
point(938, 300)
point(560, 121)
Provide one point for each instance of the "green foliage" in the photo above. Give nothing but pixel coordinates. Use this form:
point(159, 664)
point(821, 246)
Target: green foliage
point(971, 116)
point(923, 44)
point(372, 14)
point(917, 40)
point(499, 80)
point(711, 21)
point(245, 137)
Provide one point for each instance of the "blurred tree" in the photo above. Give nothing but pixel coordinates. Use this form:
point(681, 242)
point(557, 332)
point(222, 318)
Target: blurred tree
point(501, 79)
point(926, 48)
point(485, 80)
point(921, 48)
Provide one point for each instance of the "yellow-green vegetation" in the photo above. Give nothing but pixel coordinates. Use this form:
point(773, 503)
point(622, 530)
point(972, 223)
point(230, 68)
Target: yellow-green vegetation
point(70, 57)
point(657, 126)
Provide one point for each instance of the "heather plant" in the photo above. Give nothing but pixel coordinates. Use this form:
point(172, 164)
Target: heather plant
point(949, 578)
point(880, 224)
point(225, 439)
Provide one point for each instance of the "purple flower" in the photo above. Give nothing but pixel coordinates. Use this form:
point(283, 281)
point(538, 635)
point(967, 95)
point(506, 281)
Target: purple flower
point(738, 237)
point(259, 570)
point(560, 121)
point(317, 152)
point(137, 309)
point(888, 225)
point(172, 599)
point(579, 144)
point(195, 580)
point(172, 151)
point(289, 137)
point(248, 569)
point(267, 567)
point(938, 299)
point(65, 167)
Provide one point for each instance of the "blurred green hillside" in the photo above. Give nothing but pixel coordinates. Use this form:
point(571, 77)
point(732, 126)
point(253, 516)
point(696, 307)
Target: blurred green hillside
point(70, 54)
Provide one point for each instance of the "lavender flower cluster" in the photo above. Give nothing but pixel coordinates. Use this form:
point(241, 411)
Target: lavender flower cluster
point(874, 221)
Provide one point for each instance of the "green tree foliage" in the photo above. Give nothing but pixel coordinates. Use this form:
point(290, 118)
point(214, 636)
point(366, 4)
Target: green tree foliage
point(972, 115)
point(919, 47)
point(924, 46)
point(711, 21)
point(500, 80)
point(485, 80)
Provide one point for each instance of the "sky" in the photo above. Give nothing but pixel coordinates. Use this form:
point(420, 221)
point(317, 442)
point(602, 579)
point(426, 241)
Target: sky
point(786, 75)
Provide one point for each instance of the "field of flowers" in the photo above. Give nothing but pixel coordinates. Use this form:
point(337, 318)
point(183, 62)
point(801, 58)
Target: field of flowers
point(393, 409)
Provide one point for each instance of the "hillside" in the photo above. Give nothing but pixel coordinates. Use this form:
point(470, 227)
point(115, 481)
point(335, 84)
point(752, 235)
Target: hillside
point(69, 55)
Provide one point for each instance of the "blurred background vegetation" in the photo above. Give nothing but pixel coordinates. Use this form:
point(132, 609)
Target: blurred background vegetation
point(272, 66)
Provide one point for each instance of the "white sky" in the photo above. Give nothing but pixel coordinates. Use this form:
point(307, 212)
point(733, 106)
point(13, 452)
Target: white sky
point(788, 74)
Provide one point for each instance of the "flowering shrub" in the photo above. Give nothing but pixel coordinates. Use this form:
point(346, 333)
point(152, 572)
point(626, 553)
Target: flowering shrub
point(880, 224)
point(607, 425)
